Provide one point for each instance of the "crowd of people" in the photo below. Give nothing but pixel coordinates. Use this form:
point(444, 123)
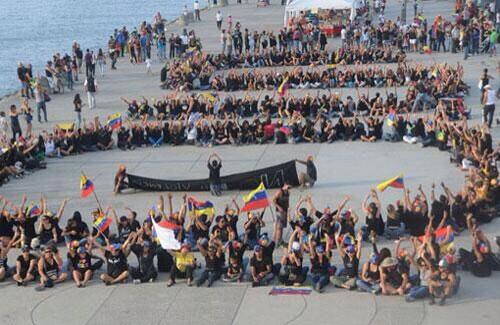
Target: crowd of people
point(208, 120)
point(306, 243)
point(236, 248)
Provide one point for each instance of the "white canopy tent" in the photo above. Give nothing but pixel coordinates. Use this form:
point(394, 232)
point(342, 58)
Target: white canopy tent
point(294, 7)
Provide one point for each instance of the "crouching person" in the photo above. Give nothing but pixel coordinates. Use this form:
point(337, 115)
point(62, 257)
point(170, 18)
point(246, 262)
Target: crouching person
point(146, 271)
point(443, 283)
point(184, 265)
point(82, 267)
point(292, 272)
point(320, 266)
point(261, 268)
point(213, 262)
point(350, 257)
point(116, 261)
point(49, 269)
point(26, 267)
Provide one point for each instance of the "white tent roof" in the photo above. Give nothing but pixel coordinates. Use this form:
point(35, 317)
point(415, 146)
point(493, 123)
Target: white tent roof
point(299, 5)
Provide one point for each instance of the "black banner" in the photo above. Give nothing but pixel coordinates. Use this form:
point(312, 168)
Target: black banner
point(272, 177)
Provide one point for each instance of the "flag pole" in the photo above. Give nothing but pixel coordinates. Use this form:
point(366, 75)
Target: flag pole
point(95, 196)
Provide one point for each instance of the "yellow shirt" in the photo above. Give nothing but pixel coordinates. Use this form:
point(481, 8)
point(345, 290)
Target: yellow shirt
point(181, 260)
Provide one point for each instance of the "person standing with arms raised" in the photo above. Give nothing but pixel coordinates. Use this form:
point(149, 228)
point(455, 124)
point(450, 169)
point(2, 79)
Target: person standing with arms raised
point(214, 165)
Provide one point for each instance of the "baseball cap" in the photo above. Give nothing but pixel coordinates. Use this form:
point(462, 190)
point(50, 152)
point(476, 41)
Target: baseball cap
point(81, 250)
point(320, 249)
point(257, 248)
point(350, 249)
point(373, 258)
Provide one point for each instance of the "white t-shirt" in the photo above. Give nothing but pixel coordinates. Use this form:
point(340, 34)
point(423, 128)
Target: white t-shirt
point(490, 97)
point(50, 147)
point(343, 34)
point(196, 5)
point(218, 16)
point(148, 63)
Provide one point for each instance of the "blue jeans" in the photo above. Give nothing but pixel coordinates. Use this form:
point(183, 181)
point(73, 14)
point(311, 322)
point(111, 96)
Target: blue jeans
point(40, 107)
point(322, 279)
point(210, 275)
point(367, 286)
point(155, 142)
point(394, 233)
point(421, 98)
point(417, 292)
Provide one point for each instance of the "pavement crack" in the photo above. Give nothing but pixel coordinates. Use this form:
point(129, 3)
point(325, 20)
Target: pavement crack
point(299, 314)
point(375, 312)
point(43, 300)
point(239, 304)
point(169, 305)
point(100, 306)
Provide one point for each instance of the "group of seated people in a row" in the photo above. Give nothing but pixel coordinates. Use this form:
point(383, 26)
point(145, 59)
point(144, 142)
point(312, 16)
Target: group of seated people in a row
point(200, 65)
point(331, 241)
point(313, 78)
point(209, 120)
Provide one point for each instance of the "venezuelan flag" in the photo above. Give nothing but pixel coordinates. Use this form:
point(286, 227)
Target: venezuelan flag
point(115, 120)
point(391, 118)
point(102, 223)
point(396, 182)
point(283, 87)
point(34, 211)
point(86, 186)
point(257, 199)
point(444, 237)
point(199, 208)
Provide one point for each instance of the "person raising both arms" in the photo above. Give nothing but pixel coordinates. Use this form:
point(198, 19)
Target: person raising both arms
point(214, 165)
point(116, 258)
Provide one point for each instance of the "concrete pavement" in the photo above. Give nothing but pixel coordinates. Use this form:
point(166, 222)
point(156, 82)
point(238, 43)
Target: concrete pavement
point(344, 168)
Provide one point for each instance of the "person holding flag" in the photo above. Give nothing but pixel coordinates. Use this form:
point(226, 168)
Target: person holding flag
point(86, 186)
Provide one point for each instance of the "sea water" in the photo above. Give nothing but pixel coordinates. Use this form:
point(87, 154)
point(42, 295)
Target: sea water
point(31, 31)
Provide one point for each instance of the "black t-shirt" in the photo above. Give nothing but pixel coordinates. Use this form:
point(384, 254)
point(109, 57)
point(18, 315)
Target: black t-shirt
point(350, 266)
point(198, 232)
point(260, 266)
point(267, 251)
point(238, 252)
point(116, 263)
point(29, 227)
point(311, 170)
point(25, 263)
point(214, 175)
point(415, 223)
point(81, 264)
point(320, 267)
point(212, 263)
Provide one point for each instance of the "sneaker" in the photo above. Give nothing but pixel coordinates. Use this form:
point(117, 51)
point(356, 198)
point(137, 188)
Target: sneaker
point(40, 288)
point(409, 298)
point(136, 281)
point(170, 283)
point(19, 283)
point(189, 282)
